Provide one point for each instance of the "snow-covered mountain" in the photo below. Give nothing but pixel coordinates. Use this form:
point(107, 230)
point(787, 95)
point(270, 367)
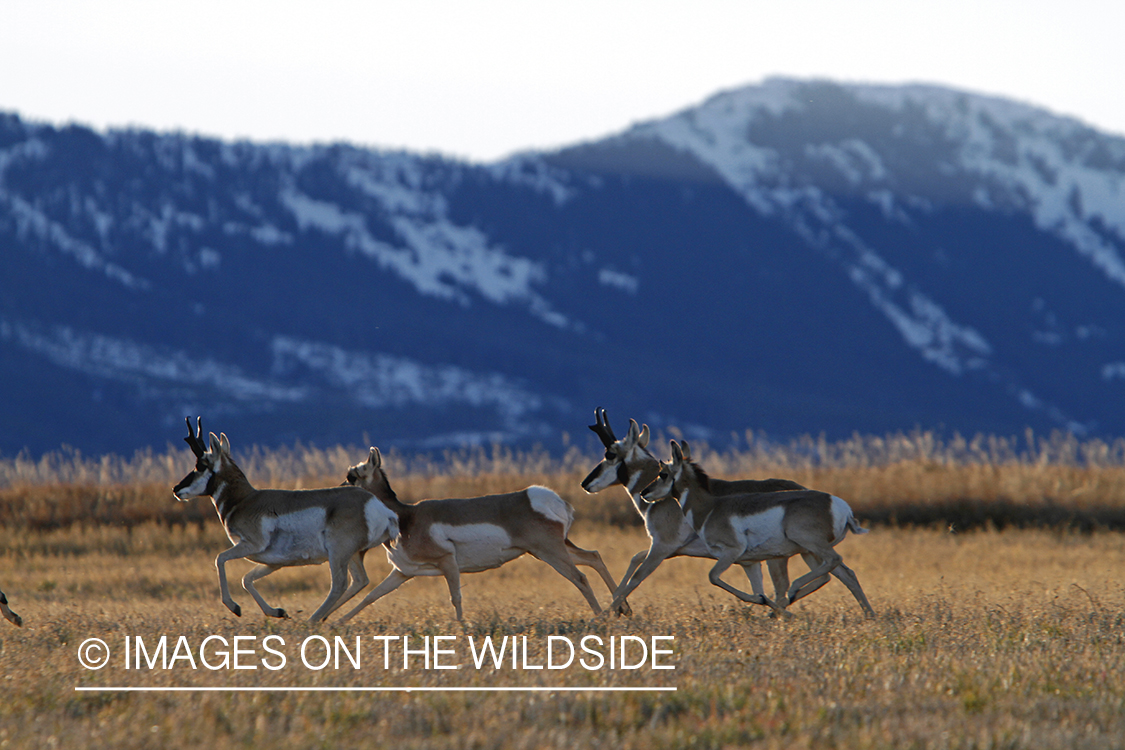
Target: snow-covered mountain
point(794, 257)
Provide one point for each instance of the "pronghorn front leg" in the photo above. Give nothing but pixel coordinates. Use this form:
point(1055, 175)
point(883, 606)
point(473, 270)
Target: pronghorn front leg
point(779, 574)
point(452, 572)
point(725, 561)
point(393, 580)
point(359, 580)
point(640, 570)
point(9, 615)
point(237, 552)
point(339, 567)
point(257, 573)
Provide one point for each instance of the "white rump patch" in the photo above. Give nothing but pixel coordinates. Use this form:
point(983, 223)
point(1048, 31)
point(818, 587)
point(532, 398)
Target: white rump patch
point(382, 523)
point(841, 514)
point(547, 503)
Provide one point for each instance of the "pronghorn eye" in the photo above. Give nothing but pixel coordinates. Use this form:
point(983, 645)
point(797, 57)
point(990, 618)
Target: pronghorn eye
point(610, 456)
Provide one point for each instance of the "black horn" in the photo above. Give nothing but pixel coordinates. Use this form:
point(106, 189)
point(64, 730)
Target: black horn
point(195, 439)
point(602, 428)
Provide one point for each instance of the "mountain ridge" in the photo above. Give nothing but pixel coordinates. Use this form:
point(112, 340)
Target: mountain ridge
point(794, 257)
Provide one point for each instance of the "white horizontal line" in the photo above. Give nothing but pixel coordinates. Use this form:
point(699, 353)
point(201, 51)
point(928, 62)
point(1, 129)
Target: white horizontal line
point(127, 689)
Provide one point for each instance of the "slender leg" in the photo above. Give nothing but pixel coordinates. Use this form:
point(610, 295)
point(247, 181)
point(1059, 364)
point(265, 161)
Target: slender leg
point(827, 559)
point(753, 573)
point(725, 561)
point(389, 584)
point(650, 561)
point(256, 573)
point(9, 615)
point(813, 585)
point(237, 552)
point(339, 567)
point(452, 572)
point(848, 577)
point(562, 563)
point(779, 574)
point(591, 559)
point(359, 580)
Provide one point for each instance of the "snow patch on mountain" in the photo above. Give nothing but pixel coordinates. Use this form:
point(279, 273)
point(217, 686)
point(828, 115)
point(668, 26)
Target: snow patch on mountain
point(382, 380)
point(440, 258)
point(30, 221)
point(124, 360)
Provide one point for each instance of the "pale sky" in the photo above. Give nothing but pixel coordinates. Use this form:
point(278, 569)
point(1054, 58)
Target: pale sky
point(481, 80)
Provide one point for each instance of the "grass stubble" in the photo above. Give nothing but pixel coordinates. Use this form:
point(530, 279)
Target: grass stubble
point(984, 638)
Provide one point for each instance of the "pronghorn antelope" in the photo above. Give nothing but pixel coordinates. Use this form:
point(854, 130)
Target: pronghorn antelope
point(629, 463)
point(760, 526)
point(9, 615)
point(465, 535)
point(281, 528)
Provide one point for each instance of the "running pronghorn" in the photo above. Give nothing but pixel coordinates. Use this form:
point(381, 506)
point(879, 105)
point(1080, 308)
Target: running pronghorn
point(629, 463)
point(466, 535)
point(760, 526)
point(9, 615)
point(282, 528)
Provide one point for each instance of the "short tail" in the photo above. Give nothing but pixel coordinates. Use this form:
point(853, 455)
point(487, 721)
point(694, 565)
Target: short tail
point(854, 527)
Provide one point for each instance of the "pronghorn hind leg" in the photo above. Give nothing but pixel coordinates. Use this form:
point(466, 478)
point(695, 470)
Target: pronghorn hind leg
point(358, 577)
point(591, 559)
point(256, 573)
point(826, 561)
point(848, 577)
point(721, 564)
point(812, 585)
point(393, 580)
point(561, 562)
point(9, 615)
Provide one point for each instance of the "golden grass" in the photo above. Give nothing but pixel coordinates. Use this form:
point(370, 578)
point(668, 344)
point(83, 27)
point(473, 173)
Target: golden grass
point(983, 639)
point(914, 479)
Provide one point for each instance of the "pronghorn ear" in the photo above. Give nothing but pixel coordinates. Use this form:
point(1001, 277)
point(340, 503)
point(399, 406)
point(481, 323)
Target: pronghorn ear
point(376, 458)
point(212, 442)
point(686, 450)
point(634, 430)
point(644, 438)
point(677, 454)
point(224, 444)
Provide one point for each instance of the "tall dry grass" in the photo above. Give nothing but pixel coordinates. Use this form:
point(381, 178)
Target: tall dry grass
point(906, 478)
point(983, 639)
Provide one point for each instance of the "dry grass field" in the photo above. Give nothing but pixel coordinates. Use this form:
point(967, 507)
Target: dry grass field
point(984, 638)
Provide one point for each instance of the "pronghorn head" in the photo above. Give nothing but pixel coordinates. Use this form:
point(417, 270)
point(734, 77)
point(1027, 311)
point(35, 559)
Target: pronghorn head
point(209, 462)
point(370, 476)
point(674, 476)
point(627, 461)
